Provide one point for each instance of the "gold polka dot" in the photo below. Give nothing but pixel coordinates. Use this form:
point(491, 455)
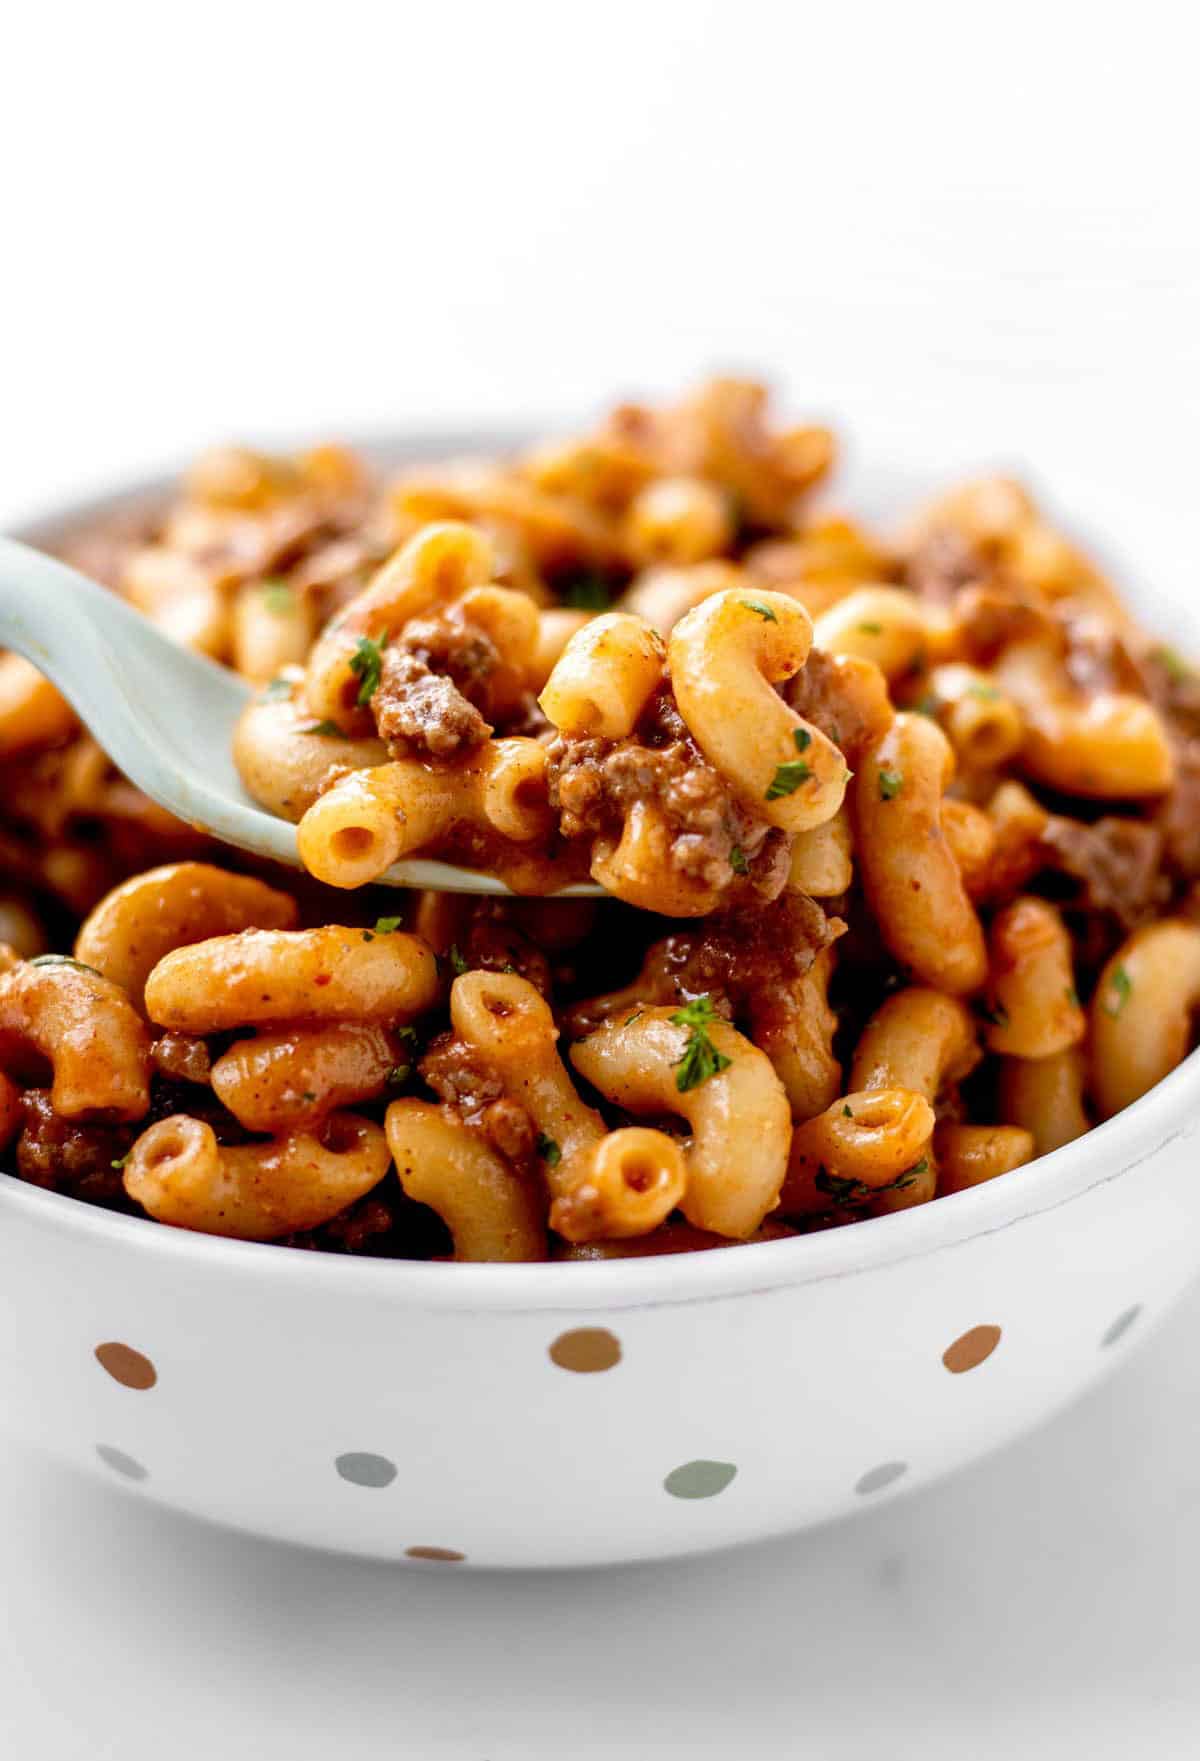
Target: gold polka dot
point(446, 1554)
point(125, 1365)
point(586, 1349)
point(971, 1348)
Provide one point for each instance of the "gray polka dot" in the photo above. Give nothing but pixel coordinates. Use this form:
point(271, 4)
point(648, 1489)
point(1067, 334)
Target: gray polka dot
point(1122, 1324)
point(120, 1463)
point(699, 1479)
point(362, 1469)
point(876, 1478)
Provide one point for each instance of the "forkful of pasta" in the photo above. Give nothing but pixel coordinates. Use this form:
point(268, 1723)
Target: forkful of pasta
point(671, 771)
point(185, 729)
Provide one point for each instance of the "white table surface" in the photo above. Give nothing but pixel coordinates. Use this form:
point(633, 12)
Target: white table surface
point(1045, 1604)
point(965, 230)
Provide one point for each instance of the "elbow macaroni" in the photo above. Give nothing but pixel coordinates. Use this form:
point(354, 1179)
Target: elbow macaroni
point(636, 1064)
point(599, 656)
point(725, 658)
point(910, 875)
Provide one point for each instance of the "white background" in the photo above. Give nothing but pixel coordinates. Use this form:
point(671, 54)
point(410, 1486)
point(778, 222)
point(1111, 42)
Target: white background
point(965, 230)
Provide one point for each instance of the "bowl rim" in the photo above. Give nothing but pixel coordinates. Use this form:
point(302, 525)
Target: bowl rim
point(1112, 1150)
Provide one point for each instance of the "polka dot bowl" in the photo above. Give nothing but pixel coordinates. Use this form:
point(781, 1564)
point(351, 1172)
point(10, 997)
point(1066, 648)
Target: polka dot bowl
point(459, 1416)
point(569, 1414)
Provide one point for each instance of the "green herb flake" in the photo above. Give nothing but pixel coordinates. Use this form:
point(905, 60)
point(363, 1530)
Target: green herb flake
point(890, 784)
point(328, 730)
point(928, 705)
point(407, 1034)
point(700, 1059)
point(366, 663)
point(509, 970)
point(918, 1168)
point(588, 590)
point(842, 1191)
point(871, 629)
point(64, 960)
point(118, 1162)
point(398, 1075)
point(368, 935)
point(984, 693)
point(846, 1113)
point(549, 1151)
point(1120, 986)
point(994, 1013)
point(457, 962)
point(763, 611)
point(278, 597)
point(787, 779)
point(737, 860)
point(309, 1095)
point(802, 739)
point(278, 689)
point(630, 1019)
point(386, 926)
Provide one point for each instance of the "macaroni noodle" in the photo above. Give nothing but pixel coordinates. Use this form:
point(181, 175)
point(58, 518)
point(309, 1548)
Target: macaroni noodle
point(902, 838)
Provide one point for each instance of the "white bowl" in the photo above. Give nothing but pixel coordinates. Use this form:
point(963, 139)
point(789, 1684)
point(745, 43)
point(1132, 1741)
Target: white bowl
point(555, 1415)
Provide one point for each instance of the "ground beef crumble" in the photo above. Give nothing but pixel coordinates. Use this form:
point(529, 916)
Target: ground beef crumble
point(477, 1097)
point(842, 697)
point(420, 711)
point(593, 784)
point(180, 1056)
point(1114, 862)
point(63, 1155)
point(737, 957)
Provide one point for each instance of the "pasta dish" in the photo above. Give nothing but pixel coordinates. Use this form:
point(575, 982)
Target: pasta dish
point(899, 832)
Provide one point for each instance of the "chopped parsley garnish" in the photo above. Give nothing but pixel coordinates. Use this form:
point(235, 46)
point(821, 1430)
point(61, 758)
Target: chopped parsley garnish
point(890, 784)
point(276, 691)
point(407, 1034)
point(118, 1162)
point(871, 629)
point(788, 778)
point(764, 611)
point(630, 1019)
point(329, 729)
point(842, 1191)
point(368, 935)
point(366, 663)
point(910, 1174)
point(1119, 987)
point(737, 860)
point(548, 1150)
point(457, 962)
point(928, 705)
point(701, 1058)
point(386, 926)
point(802, 739)
point(309, 1095)
point(846, 1113)
point(64, 960)
point(985, 693)
point(993, 1012)
point(278, 597)
point(588, 590)
point(509, 970)
point(398, 1074)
